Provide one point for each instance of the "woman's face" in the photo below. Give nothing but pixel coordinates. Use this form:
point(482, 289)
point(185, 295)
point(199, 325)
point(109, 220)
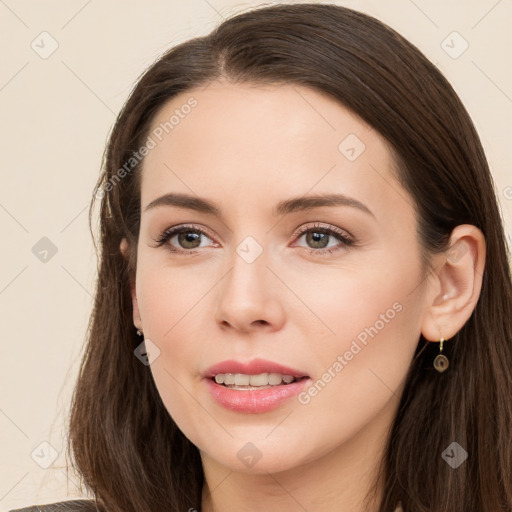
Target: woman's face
point(330, 289)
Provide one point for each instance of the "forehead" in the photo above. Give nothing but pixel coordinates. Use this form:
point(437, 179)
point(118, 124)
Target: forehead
point(264, 112)
point(246, 138)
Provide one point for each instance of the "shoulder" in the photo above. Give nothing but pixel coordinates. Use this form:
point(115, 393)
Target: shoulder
point(62, 506)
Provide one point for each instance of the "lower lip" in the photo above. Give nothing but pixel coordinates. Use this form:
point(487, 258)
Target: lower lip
point(254, 400)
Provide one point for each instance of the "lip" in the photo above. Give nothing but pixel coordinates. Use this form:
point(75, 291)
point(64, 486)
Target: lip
point(253, 367)
point(255, 401)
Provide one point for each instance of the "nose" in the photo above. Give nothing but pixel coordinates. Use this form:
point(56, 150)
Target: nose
point(250, 297)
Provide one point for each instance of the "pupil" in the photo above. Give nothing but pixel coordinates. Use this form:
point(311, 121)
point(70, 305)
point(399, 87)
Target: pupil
point(188, 238)
point(318, 239)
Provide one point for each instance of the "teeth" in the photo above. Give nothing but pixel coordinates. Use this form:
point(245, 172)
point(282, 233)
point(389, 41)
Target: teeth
point(274, 379)
point(263, 379)
point(241, 379)
point(260, 380)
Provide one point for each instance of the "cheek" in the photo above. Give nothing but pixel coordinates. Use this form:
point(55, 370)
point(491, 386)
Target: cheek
point(170, 306)
point(372, 324)
point(168, 298)
point(359, 300)
point(362, 369)
point(364, 365)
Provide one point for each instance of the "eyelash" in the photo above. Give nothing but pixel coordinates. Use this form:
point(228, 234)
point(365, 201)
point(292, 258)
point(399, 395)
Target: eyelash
point(317, 228)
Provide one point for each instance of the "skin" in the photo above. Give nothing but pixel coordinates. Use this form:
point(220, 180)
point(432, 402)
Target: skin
point(247, 147)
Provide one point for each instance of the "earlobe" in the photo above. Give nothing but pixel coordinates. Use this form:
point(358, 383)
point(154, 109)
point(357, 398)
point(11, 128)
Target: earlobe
point(456, 283)
point(123, 247)
point(137, 322)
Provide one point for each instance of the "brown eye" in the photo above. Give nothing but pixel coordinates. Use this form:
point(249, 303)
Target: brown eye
point(183, 239)
point(189, 239)
point(324, 239)
point(317, 239)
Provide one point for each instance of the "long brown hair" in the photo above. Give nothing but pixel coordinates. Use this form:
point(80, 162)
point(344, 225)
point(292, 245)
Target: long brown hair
point(128, 450)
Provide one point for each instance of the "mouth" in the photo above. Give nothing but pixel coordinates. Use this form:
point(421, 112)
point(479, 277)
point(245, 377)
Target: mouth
point(254, 393)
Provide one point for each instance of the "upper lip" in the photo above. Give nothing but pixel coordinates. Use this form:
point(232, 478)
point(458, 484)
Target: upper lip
point(253, 367)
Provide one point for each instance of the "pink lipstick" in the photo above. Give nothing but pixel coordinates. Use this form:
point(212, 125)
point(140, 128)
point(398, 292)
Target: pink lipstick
point(254, 387)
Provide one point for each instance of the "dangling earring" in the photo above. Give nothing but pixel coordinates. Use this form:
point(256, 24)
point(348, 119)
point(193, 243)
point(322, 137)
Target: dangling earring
point(139, 332)
point(441, 362)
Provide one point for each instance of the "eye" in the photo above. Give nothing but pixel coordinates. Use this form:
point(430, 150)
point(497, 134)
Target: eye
point(319, 238)
point(188, 239)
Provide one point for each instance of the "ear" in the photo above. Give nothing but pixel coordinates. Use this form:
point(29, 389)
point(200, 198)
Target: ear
point(455, 284)
point(123, 247)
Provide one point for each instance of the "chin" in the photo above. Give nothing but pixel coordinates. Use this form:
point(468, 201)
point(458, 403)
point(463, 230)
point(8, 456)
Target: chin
point(261, 457)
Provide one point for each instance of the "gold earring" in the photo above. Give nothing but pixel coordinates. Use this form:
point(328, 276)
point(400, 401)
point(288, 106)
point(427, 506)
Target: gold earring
point(441, 362)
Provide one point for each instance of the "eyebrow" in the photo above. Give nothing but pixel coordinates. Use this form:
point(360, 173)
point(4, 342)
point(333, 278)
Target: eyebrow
point(294, 204)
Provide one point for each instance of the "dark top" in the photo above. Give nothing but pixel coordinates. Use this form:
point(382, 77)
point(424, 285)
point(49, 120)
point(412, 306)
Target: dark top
point(62, 506)
point(82, 506)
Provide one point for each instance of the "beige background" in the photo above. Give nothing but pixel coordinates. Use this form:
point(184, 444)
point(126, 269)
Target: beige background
point(56, 113)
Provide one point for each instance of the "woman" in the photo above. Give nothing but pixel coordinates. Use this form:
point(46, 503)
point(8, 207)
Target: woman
point(304, 300)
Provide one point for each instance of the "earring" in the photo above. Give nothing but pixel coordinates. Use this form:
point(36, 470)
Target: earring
point(139, 332)
point(441, 362)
